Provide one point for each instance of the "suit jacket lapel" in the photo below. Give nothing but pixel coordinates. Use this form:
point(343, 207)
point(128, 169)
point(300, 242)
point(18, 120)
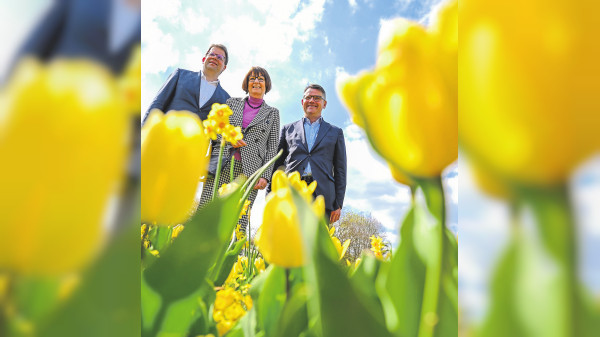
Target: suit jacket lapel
point(300, 128)
point(237, 106)
point(196, 88)
point(322, 132)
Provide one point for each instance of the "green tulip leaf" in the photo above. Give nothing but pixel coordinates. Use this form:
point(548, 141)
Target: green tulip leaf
point(107, 300)
point(231, 258)
point(181, 269)
point(401, 285)
point(271, 299)
point(294, 317)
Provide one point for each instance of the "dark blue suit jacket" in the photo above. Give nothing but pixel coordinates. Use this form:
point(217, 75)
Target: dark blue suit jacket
point(78, 28)
point(327, 159)
point(182, 92)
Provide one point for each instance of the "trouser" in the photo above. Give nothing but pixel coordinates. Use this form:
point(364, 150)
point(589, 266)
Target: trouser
point(207, 190)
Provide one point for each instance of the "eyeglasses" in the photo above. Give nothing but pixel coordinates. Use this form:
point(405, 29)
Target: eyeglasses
point(315, 98)
point(219, 57)
point(260, 79)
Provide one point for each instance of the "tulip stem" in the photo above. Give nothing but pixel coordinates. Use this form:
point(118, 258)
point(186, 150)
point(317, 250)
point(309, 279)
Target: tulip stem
point(231, 166)
point(218, 173)
point(554, 217)
point(435, 204)
point(287, 284)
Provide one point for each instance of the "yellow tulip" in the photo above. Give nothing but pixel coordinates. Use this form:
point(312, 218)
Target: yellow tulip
point(401, 177)
point(407, 104)
point(280, 241)
point(259, 263)
point(341, 249)
point(173, 160)
point(64, 144)
point(529, 102)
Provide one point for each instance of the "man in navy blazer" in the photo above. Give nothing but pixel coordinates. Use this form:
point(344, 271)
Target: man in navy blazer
point(317, 150)
point(195, 91)
point(101, 30)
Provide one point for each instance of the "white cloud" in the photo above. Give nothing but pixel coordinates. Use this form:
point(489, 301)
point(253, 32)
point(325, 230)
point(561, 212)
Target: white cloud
point(305, 55)
point(194, 21)
point(353, 5)
point(158, 52)
point(153, 9)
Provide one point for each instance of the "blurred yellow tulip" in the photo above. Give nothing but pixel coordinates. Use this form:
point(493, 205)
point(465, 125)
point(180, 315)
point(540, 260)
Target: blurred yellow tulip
point(407, 105)
point(173, 160)
point(64, 144)
point(529, 108)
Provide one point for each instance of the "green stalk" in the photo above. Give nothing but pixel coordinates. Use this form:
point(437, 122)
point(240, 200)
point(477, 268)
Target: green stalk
point(430, 311)
point(218, 173)
point(552, 210)
point(251, 182)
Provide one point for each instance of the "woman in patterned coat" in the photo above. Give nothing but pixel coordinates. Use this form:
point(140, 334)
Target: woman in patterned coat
point(260, 127)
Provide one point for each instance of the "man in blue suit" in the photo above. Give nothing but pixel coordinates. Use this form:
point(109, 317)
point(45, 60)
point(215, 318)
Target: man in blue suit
point(100, 30)
point(195, 91)
point(317, 150)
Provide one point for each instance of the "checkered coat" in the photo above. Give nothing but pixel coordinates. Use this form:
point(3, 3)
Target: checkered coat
point(261, 137)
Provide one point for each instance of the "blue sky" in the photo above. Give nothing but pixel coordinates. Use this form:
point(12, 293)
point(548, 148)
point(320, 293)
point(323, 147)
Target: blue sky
point(297, 42)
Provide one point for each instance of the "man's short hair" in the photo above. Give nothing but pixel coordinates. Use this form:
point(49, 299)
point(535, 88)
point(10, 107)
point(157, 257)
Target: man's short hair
point(257, 71)
point(218, 45)
point(318, 87)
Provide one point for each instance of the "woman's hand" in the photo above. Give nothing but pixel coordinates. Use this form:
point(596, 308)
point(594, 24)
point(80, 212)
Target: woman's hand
point(240, 143)
point(261, 184)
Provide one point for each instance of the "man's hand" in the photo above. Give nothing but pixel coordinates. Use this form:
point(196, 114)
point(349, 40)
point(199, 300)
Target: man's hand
point(239, 143)
point(335, 215)
point(261, 184)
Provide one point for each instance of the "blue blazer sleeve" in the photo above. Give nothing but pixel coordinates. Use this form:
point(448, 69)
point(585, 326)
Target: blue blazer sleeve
point(283, 145)
point(339, 169)
point(165, 94)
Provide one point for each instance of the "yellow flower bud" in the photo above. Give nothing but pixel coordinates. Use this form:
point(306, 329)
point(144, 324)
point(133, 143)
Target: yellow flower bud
point(227, 189)
point(224, 326)
point(280, 240)
point(338, 246)
point(224, 299)
point(529, 102)
point(259, 263)
point(176, 230)
point(279, 180)
point(173, 160)
point(63, 144)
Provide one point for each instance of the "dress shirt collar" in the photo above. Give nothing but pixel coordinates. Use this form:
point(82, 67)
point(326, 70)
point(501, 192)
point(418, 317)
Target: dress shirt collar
point(215, 83)
point(305, 120)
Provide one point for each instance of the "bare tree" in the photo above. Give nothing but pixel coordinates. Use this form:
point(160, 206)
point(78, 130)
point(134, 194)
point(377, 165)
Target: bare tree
point(358, 227)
